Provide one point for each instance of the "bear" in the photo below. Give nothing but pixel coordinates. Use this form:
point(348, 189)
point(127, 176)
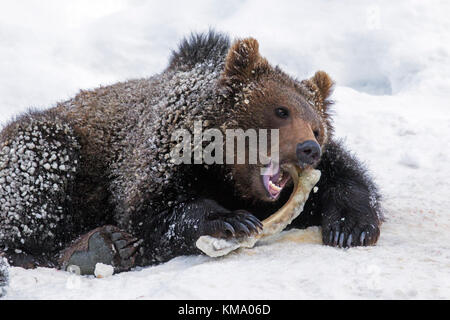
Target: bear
point(91, 179)
point(3, 276)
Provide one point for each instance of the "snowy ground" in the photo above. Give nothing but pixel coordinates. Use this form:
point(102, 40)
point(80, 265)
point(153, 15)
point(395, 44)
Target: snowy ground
point(392, 66)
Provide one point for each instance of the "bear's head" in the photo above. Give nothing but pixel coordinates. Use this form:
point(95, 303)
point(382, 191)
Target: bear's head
point(264, 97)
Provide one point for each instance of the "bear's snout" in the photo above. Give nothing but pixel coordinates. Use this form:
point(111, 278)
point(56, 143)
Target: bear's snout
point(308, 152)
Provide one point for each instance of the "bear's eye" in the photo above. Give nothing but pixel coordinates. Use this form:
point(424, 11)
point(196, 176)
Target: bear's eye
point(316, 134)
point(282, 112)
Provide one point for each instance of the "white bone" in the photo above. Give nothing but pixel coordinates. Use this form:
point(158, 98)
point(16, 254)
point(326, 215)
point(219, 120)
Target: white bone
point(304, 182)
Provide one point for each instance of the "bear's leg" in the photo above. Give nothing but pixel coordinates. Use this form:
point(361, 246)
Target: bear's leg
point(39, 157)
point(108, 245)
point(346, 203)
point(171, 234)
point(165, 236)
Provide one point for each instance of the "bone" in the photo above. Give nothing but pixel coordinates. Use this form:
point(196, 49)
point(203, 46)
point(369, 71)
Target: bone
point(304, 182)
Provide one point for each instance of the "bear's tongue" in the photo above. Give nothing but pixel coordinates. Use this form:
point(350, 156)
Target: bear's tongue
point(274, 183)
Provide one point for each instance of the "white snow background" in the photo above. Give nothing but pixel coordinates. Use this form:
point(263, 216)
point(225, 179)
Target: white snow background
point(391, 63)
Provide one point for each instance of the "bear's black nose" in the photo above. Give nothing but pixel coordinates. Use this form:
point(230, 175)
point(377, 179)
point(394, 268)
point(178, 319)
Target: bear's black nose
point(308, 152)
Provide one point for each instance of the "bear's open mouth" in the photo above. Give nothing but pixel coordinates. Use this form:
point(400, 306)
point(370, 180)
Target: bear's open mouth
point(275, 182)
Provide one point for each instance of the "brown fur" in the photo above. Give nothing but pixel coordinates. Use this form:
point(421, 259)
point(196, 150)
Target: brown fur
point(324, 83)
point(257, 89)
point(117, 141)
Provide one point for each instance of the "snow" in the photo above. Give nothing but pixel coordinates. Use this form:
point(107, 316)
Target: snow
point(103, 270)
point(391, 62)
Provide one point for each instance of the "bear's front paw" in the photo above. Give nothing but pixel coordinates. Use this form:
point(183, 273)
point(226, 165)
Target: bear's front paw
point(108, 245)
point(235, 224)
point(347, 232)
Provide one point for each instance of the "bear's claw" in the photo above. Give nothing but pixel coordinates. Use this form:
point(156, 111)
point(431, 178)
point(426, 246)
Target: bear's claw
point(239, 223)
point(108, 245)
point(340, 235)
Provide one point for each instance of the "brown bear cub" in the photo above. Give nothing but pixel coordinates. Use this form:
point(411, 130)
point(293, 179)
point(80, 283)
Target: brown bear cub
point(91, 179)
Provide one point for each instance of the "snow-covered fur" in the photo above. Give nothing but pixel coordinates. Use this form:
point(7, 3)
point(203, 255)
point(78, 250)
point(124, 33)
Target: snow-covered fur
point(3, 276)
point(103, 158)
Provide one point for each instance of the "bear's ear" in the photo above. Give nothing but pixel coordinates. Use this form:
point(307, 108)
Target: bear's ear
point(324, 83)
point(243, 60)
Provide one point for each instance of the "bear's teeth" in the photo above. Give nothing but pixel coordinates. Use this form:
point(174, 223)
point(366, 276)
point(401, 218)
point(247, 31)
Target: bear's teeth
point(280, 178)
point(274, 186)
